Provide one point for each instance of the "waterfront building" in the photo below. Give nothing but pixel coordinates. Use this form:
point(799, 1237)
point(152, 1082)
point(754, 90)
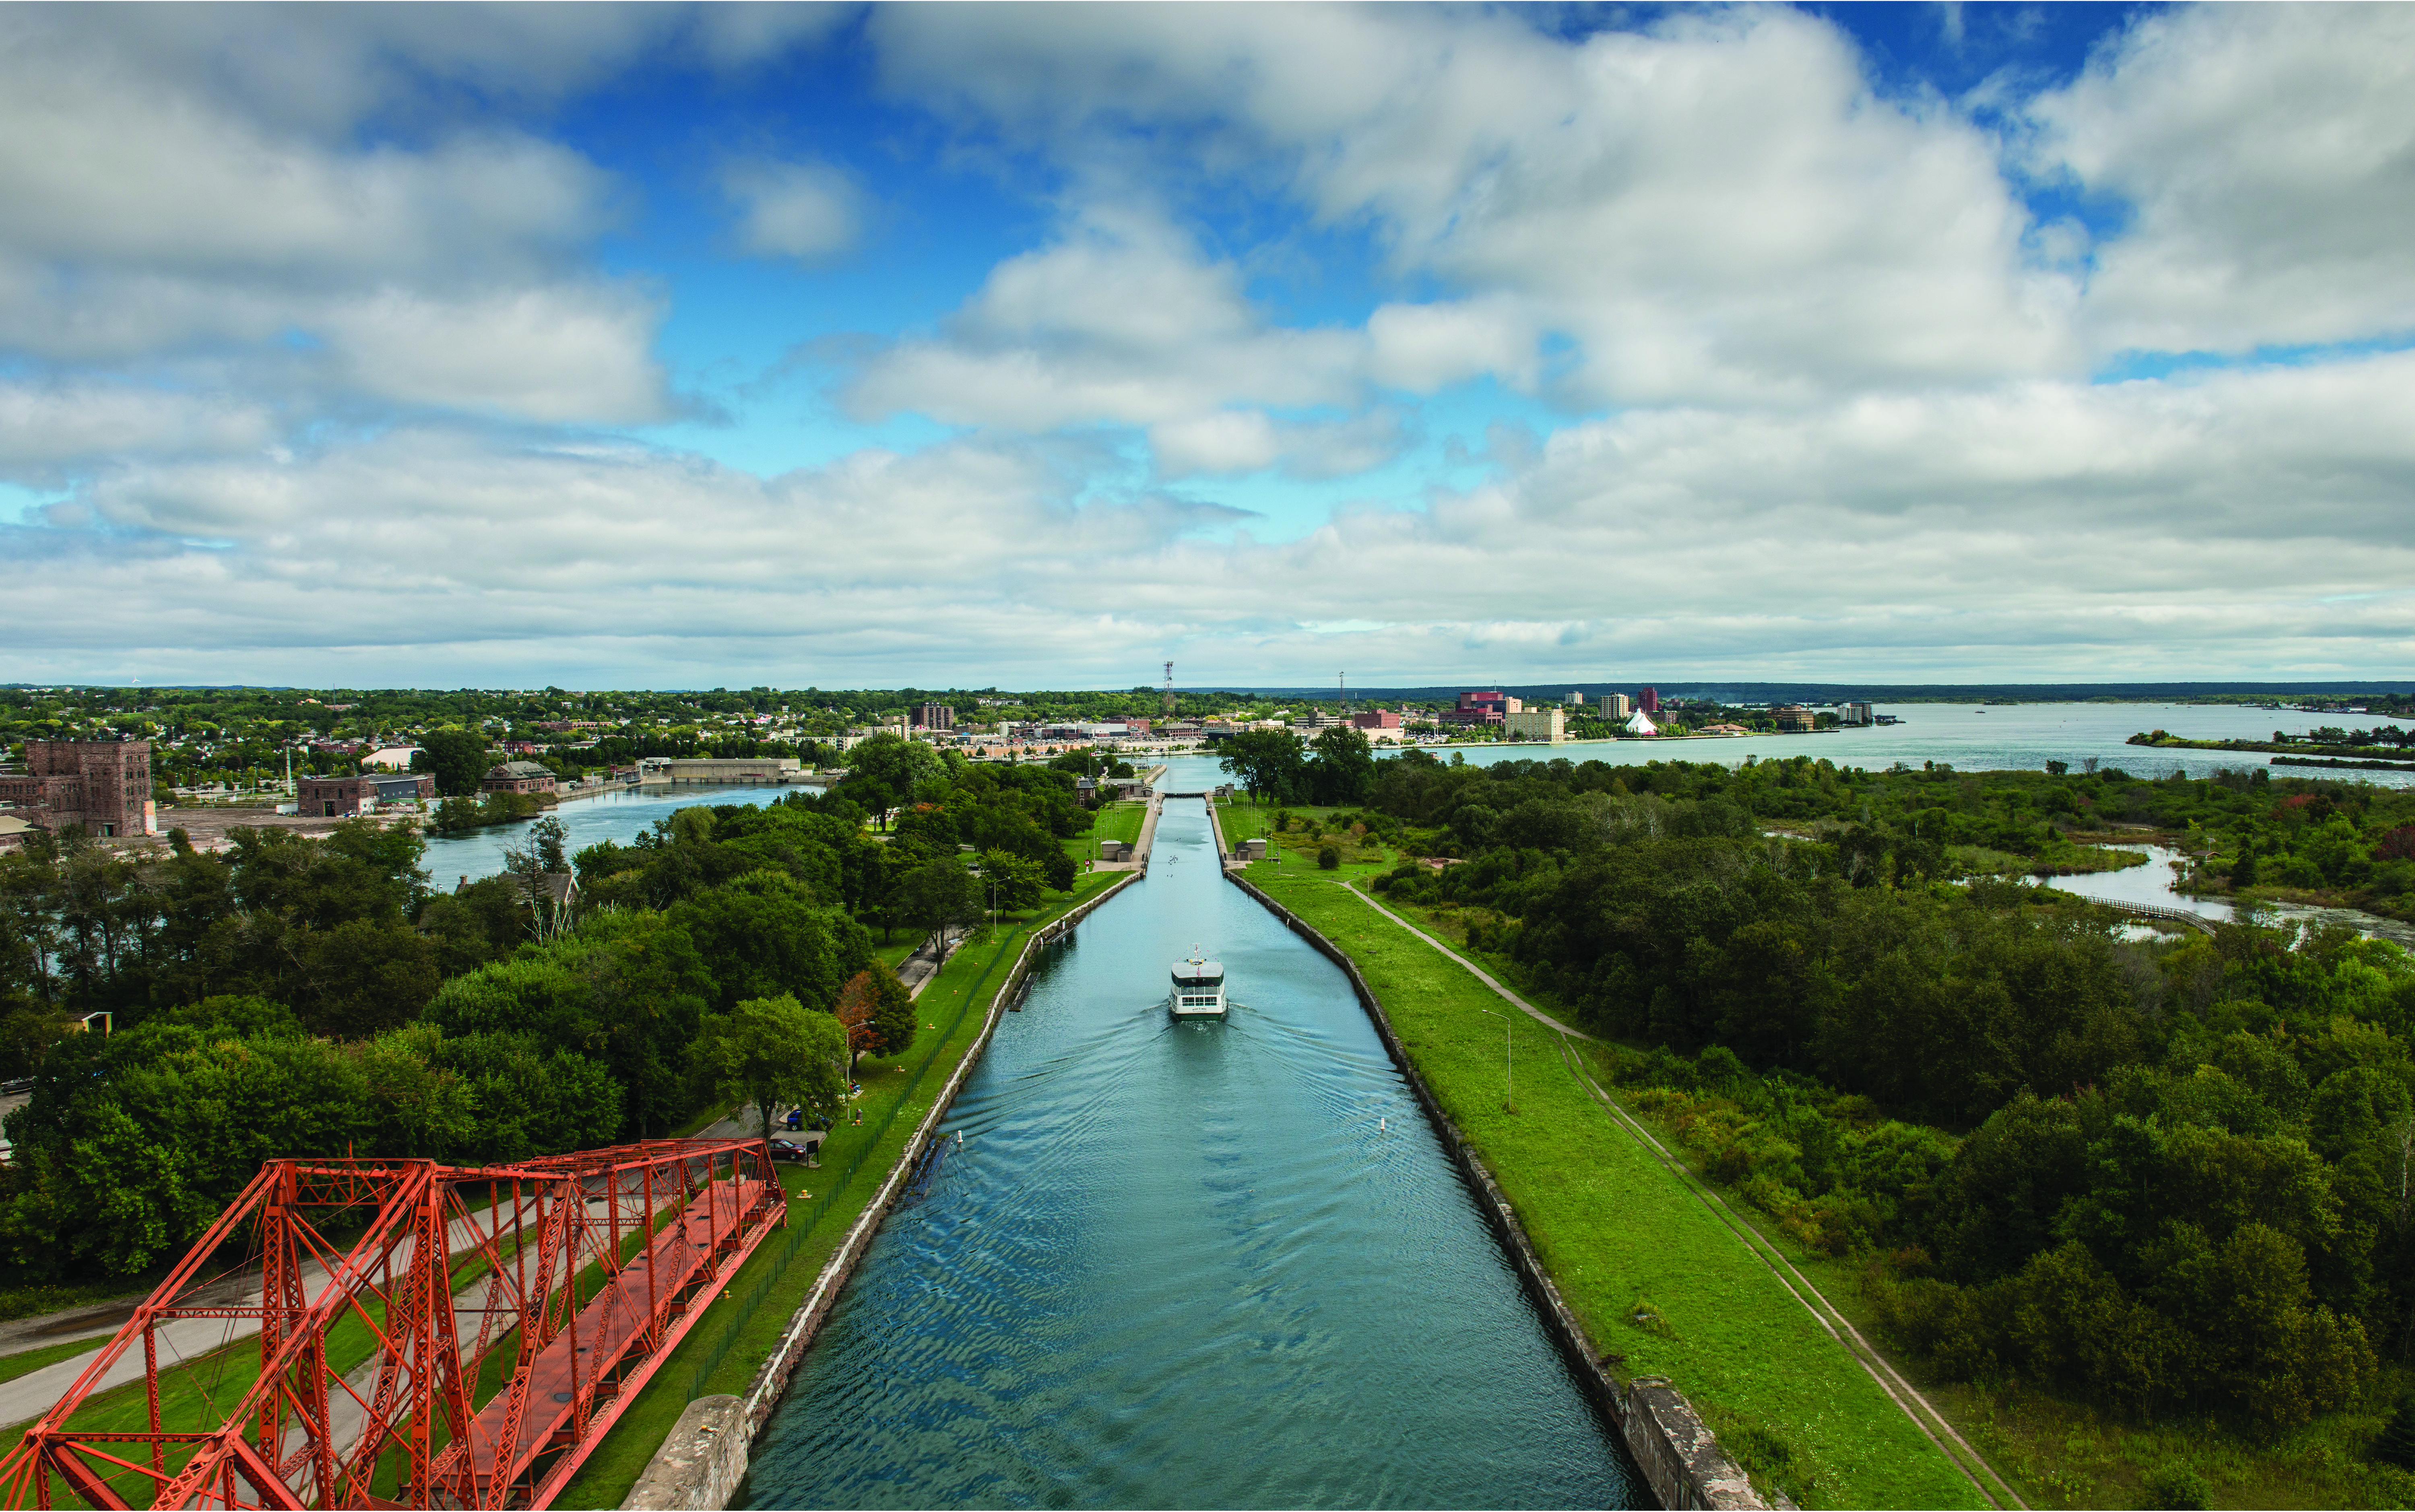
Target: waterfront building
point(516, 777)
point(718, 768)
point(1537, 725)
point(334, 797)
point(1793, 719)
point(1376, 719)
point(1641, 722)
point(1855, 713)
point(1649, 701)
point(1615, 707)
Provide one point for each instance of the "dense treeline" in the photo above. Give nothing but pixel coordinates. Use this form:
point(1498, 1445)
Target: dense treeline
point(316, 998)
point(2149, 1173)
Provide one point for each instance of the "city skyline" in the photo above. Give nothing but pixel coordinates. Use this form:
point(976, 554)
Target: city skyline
point(688, 347)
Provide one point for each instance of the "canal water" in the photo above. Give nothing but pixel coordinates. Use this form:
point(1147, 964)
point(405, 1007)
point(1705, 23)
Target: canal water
point(1186, 1265)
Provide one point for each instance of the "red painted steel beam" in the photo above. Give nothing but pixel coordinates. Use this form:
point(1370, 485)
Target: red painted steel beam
point(542, 1271)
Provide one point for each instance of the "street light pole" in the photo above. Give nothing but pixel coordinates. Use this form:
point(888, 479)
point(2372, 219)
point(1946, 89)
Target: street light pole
point(1508, 1064)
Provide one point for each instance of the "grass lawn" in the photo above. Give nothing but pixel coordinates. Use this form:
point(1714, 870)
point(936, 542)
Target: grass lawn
point(1654, 1277)
point(26, 1362)
point(1118, 821)
point(954, 1005)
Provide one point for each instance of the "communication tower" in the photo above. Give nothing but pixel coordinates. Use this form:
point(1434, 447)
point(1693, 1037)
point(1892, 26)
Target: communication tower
point(1169, 691)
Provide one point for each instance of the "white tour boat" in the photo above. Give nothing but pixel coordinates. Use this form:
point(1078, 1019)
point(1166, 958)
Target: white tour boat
point(1198, 989)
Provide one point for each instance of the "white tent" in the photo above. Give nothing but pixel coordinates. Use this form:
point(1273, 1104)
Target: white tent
point(1641, 725)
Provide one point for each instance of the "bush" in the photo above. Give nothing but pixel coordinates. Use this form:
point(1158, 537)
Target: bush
point(1328, 857)
point(2177, 1486)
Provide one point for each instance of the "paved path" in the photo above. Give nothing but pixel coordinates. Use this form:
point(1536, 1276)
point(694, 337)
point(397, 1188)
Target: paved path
point(35, 1392)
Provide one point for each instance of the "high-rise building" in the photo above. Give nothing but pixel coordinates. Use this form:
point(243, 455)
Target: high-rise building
point(931, 717)
point(1649, 701)
point(1615, 707)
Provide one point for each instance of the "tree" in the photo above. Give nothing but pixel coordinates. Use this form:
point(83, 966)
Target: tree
point(936, 894)
point(1344, 768)
point(1014, 883)
point(458, 758)
point(772, 1050)
point(893, 1015)
point(1269, 762)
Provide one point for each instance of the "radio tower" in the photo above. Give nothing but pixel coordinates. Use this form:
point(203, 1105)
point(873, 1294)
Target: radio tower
point(1169, 692)
point(1342, 681)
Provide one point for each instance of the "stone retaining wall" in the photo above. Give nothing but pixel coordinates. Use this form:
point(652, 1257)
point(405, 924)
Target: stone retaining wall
point(701, 1464)
point(1681, 1459)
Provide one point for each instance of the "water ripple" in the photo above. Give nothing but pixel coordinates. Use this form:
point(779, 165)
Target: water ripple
point(1186, 1265)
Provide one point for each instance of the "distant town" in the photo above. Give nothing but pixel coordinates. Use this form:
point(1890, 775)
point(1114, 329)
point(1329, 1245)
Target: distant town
point(111, 761)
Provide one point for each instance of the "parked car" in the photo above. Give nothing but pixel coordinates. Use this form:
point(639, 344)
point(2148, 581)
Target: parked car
point(789, 1149)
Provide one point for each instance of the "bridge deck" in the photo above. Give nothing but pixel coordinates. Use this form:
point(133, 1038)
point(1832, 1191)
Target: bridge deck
point(610, 1327)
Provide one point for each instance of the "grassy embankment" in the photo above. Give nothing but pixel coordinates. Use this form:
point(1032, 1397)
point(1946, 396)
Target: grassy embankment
point(1654, 1277)
point(2055, 1453)
point(959, 997)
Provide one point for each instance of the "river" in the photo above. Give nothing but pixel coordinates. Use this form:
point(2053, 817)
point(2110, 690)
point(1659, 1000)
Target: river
point(2007, 736)
point(1196, 1265)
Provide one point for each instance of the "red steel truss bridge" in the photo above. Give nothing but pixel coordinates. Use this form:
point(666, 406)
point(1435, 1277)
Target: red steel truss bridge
point(428, 1336)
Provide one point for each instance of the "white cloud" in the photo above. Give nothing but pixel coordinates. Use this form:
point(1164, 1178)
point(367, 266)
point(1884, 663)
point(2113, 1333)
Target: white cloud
point(573, 354)
point(46, 427)
point(157, 204)
point(799, 209)
point(2242, 521)
point(1121, 321)
point(1715, 207)
point(2268, 153)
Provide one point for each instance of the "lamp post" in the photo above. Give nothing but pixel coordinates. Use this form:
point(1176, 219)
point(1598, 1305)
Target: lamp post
point(1508, 1065)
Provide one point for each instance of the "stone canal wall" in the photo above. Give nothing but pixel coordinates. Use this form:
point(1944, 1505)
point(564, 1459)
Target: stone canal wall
point(704, 1460)
point(1681, 1459)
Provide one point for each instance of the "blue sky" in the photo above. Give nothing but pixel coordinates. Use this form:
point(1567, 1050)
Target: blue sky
point(835, 345)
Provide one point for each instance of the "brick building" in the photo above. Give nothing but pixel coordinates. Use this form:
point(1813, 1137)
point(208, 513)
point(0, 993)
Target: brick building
point(330, 797)
point(103, 785)
point(1793, 719)
point(931, 717)
point(1376, 719)
point(1484, 707)
point(517, 777)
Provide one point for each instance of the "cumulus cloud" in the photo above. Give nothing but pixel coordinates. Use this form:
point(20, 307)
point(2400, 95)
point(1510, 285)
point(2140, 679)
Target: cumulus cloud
point(806, 211)
point(2056, 530)
point(1121, 321)
point(1713, 206)
point(2268, 155)
point(155, 203)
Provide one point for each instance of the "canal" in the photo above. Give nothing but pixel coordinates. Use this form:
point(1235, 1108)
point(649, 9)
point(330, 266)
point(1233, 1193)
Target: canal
point(1207, 1266)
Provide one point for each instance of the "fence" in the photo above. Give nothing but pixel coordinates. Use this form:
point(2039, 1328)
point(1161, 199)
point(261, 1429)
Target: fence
point(801, 1224)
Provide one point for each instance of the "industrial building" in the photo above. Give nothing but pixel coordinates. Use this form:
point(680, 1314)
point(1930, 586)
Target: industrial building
point(334, 797)
point(102, 786)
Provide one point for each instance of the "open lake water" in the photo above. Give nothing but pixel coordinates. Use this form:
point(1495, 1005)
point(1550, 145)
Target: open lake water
point(1186, 1265)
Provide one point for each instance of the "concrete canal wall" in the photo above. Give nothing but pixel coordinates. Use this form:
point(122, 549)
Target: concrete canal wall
point(1680, 1457)
point(703, 1461)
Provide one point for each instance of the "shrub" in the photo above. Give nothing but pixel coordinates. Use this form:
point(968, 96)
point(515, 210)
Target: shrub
point(2177, 1486)
point(1328, 857)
